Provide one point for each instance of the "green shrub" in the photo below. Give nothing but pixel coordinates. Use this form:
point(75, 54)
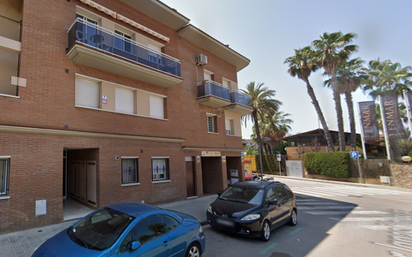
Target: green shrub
point(268, 159)
point(334, 164)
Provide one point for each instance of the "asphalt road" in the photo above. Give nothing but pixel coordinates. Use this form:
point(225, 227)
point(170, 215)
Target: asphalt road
point(335, 220)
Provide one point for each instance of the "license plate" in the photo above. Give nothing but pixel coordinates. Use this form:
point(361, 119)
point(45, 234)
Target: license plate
point(227, 223)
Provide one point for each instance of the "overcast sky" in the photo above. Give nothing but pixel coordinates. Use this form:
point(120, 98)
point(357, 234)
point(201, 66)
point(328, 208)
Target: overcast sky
point(268, 31)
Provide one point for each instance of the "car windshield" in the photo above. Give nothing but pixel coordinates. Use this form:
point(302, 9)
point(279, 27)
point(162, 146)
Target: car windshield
point(99, 230)
point(243, 194)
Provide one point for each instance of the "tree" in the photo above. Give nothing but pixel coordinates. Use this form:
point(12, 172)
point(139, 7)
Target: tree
point(386, 78)
point(262, 104)
point(330, 50)
point(275, 127)
point(301, 65)
point(349, 77)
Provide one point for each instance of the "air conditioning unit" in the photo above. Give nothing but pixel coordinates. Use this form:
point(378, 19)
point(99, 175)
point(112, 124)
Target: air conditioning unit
point(201, 59)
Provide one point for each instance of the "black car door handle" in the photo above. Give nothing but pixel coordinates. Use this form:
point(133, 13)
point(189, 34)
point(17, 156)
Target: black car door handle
point(166, 243)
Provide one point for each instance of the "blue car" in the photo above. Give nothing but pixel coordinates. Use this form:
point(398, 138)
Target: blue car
point(128, 229)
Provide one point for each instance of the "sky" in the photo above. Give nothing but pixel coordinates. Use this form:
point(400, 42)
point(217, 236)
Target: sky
point(268, 31)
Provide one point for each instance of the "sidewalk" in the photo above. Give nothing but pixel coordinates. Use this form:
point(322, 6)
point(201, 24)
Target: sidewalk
point(23, 243)
point(277, 177)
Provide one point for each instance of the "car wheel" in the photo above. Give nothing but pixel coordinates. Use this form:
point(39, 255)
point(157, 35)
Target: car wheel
point(265, 236)
point(193, 251)
point(293, 218)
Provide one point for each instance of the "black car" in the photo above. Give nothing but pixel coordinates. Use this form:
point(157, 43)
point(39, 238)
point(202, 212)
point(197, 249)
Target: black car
point(253, 208)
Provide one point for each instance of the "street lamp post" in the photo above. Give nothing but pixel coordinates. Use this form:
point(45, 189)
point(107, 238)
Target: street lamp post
point(260, 155)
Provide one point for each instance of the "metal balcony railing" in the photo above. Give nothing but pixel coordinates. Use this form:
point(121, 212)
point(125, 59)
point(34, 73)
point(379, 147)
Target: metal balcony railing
point(105, 40)
point(212, 88)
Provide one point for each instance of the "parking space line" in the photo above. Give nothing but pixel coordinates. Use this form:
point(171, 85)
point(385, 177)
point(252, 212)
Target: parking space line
point(267, 249)
point(295, 231)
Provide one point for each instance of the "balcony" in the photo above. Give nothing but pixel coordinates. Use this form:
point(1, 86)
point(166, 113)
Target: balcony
point(240, 103)
point(100, 48)
point(10, 34)
point(213, 94)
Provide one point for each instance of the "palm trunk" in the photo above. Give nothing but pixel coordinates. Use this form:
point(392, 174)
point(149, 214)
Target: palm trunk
point(268, 163)
point(322, 120)
point(339, 114)
point(349, 103)
point(255, 119)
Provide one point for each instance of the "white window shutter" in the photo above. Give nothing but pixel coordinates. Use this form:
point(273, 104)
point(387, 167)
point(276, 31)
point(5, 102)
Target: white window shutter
point(124, 100)
point(156, 107)
point(87, 93)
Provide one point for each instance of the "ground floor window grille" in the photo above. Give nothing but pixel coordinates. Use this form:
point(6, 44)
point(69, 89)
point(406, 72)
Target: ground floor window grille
point(129, 171)
point(160, 169)
point(4, 176)
point(211, 124)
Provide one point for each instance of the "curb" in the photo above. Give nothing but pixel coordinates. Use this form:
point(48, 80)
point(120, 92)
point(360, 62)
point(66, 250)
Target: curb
point(342, 183)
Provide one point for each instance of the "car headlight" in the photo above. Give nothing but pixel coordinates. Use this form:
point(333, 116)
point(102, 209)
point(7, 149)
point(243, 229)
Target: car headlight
point(251, 217)
point(209, 209)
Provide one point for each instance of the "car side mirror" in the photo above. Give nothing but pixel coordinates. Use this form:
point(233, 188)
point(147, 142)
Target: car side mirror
point(135, 245)
point(273, 202)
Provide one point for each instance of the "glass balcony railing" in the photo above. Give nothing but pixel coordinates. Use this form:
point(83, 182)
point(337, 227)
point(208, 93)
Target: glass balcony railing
point(212, 88)
point(98, 37)
point(239, 98)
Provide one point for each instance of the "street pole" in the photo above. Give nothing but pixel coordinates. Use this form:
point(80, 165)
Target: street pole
point(260, 157)
point(360, 171)
point(385, 131)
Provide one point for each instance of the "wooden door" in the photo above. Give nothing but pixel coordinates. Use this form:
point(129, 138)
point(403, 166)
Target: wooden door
point(91, 183)
point(190, 178)
point(81, 177)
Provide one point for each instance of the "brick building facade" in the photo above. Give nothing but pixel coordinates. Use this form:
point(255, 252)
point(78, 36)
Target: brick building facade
point(107, 101)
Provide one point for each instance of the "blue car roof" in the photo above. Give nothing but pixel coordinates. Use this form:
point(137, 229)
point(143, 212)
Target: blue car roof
point(133, 209)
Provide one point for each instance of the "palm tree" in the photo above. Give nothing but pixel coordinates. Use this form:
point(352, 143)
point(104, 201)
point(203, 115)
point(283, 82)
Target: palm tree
point(349, 77)
point(330, 50)
point(301, 65)
point(387, 78)
point(262, 104)
point(275, 127)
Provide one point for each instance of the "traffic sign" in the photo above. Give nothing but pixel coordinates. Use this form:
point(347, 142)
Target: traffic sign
point(354, 154)
point(278, 157)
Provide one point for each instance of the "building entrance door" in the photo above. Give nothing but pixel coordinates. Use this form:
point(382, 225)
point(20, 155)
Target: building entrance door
point(91, 183)
point(190, 177)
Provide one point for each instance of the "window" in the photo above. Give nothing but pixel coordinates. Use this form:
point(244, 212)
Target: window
point(100, 229)
point(169, 223)
point(130, 170)
point(4, 175)
point(271, 194)
point(121, 41)
point(87, 93)
point(160, 169)
point(153, 55)
point(226, 83)
point(9, 64)
point(148, 229)
point(85, 31)
point(280, 192)
point(207, 75)
point(156, 107)
point(229, 126)
point(124, 100)
point(211, 123)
